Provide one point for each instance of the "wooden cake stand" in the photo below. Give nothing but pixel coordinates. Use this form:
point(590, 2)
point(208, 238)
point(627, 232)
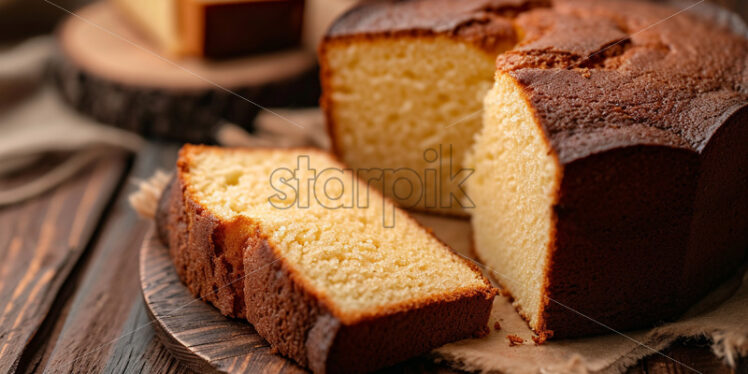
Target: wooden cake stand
point(108, 71)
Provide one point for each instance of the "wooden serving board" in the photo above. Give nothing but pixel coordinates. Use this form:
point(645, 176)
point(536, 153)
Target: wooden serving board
point(108, 70)
point(204, 340)
point(197, 335)
point(195, 332)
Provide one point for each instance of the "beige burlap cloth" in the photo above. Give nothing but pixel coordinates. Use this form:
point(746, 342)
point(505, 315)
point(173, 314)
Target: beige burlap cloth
point(722, 317)
point(36, 124)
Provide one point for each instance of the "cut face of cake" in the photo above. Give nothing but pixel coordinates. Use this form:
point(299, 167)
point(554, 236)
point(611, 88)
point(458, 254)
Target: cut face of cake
point(600, 198)
point(403, 85)
point(514, 189)
point(303, 250)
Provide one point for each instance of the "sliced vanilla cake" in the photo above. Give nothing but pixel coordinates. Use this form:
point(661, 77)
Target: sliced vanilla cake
point(403, 84)
point(612, 168)
point(330, 273)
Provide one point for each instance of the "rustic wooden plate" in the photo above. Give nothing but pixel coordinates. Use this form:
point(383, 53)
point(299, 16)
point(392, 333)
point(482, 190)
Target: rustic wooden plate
point(193, 331)
point(206, 341)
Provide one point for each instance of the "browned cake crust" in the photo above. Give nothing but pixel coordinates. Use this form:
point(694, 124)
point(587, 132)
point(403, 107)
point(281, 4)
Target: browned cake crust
point(208, 261)
point(649, 124)
point(211, 256)
point(486, 23)
point(309, 332)
point(605, 75)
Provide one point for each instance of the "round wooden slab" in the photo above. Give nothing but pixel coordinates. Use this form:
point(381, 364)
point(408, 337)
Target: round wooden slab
point(108, 70)
point(206, 341)
point(195, 332)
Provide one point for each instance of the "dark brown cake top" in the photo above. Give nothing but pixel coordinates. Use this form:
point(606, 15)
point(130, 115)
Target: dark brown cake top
point(610, 74)
point(486, 23)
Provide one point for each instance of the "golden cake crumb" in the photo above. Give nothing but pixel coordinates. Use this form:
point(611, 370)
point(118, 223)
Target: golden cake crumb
point(514, 340)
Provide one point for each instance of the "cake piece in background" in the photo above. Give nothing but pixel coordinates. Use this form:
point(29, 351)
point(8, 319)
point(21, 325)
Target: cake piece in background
point(216, 28)
point(611, 173)
point(272, 235)
point(403, 84)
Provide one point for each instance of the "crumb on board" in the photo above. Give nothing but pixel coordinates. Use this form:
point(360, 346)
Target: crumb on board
point(497, 326)
point(514, 340)
point(542, 337)
point(483, 331)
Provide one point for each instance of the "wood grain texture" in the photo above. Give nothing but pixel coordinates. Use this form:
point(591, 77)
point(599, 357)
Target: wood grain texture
point(105, 328)
point(195, 332)
point(108, 71)
point(40, 242)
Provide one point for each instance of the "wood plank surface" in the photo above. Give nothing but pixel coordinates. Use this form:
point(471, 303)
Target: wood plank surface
point(40, 242)
point(106, 328)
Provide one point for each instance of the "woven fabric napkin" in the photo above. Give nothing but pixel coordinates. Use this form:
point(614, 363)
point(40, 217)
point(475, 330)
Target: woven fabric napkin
point(34, 122)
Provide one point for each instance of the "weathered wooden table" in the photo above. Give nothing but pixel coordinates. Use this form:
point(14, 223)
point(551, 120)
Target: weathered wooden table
point(69, 288)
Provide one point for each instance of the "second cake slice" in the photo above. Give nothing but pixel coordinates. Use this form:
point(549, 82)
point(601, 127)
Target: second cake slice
point(329, 272)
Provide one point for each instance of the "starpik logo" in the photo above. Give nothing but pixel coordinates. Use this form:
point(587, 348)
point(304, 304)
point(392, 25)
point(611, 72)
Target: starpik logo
point(440, 185)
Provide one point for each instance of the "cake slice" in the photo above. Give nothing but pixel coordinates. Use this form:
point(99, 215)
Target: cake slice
point(330, 273)
point(612, 168)
point(216, 28)
point(403, 84)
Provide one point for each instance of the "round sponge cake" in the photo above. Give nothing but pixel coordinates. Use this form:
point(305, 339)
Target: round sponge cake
point(612, 167)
